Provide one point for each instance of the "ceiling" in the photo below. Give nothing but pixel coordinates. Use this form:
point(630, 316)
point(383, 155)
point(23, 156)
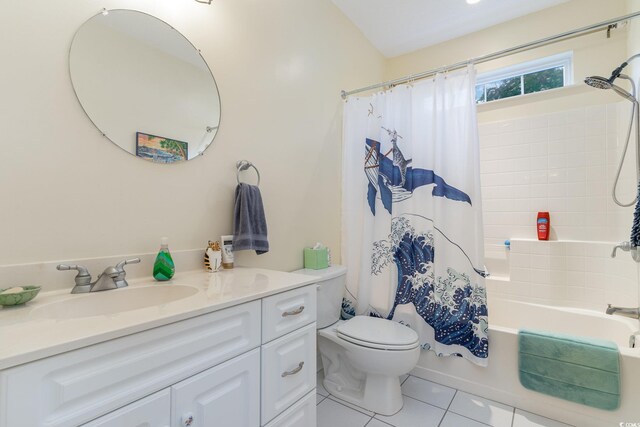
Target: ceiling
point(396, 27)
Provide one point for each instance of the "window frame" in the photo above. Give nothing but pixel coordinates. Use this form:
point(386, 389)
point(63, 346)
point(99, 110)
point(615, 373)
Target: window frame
point(564, 60)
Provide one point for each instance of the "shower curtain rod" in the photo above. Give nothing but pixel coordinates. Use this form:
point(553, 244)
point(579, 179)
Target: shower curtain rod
point(499, 54)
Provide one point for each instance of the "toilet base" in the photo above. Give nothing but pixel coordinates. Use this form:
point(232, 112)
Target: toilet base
point(366, 377)
point(377, 393)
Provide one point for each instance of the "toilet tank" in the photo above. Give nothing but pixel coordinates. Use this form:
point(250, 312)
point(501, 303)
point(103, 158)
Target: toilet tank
point(331, 286)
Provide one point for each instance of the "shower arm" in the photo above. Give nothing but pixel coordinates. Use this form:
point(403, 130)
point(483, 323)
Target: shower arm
point(618, 71)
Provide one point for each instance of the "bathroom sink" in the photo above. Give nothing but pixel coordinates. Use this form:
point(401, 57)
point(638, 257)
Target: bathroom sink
point(113, 302)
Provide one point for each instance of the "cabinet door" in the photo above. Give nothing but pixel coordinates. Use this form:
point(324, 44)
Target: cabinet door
point(227, 395)
point(288, 370)
point(152, 411)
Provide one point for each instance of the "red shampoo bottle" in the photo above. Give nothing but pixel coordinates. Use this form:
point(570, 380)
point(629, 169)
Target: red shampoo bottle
point(544, 225)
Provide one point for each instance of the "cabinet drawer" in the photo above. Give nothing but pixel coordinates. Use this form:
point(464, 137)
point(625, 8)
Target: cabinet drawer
point(288, 311)
point(301, 414)
point(288, 370)
point(152, 411)
point(75, 387)
point(226, 395)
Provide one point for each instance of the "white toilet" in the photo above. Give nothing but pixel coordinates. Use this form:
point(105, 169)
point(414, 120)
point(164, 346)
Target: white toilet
point(362, 357)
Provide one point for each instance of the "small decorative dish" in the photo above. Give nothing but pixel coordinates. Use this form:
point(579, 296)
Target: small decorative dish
point(18, 295)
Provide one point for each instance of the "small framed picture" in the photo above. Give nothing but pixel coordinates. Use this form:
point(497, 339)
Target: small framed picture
point(160, 149)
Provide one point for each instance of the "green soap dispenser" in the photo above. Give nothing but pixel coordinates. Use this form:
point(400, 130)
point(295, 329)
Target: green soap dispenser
point(164, 268)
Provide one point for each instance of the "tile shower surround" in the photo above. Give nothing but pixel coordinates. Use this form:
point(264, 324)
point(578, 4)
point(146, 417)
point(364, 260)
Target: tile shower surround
point(567, 273)
point(563, 163)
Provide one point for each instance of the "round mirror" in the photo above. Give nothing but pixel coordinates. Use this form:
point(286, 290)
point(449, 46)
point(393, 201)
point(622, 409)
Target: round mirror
point(144, 86)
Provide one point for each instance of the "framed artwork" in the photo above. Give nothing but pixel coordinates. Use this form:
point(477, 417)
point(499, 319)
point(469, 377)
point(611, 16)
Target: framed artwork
point(160, 149)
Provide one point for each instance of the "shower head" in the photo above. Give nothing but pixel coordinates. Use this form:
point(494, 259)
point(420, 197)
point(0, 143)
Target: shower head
point(598, 82)
point(603, 83)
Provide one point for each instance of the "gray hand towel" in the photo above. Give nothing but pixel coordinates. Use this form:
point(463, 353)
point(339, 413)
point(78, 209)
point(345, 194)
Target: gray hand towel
point(249, 222)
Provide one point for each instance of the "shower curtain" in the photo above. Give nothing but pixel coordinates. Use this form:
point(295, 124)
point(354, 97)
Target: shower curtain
point(412, 216)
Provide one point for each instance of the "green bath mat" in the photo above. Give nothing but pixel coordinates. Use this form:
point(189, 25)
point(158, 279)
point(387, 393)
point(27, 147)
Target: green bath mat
point(578, 369)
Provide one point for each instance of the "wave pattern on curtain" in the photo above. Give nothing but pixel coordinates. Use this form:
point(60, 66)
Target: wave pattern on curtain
point(412, 217)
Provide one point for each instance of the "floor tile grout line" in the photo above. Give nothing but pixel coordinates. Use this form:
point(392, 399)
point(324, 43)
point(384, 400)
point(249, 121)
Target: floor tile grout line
point(448, 406)
point(335, 399)
point(466, 416)
point(408, 397)
point(490, 400)
point(513, 416)
point(469, 418)
point(429, 403)
point(515, 408)
point(380, 421)
point(451, 401)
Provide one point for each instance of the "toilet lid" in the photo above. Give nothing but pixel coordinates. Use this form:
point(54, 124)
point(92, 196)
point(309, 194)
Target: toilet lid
point(378, 333)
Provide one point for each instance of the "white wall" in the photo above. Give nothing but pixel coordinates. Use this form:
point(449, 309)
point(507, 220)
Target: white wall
point(633, 40)
point(68, 193)
point(593, 54)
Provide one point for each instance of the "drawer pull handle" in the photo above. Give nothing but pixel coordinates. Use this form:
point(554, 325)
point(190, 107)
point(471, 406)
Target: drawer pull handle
point(294, 371)
point(293, 312)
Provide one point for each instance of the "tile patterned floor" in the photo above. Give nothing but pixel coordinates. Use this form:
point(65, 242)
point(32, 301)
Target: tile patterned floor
point(427, 404)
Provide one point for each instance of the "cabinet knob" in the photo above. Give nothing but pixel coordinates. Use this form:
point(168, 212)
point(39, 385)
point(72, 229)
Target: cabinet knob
point(293, 312)
point(187, 420)
point(293, 371)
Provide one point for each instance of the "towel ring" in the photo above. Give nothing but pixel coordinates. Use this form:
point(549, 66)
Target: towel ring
point(243, 165)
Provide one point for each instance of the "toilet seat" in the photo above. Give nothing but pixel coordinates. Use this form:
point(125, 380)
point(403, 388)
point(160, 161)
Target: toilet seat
point(378, 333)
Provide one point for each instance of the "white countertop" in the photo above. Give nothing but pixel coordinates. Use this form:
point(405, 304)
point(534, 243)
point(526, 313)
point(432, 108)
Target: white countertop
point(26, 335)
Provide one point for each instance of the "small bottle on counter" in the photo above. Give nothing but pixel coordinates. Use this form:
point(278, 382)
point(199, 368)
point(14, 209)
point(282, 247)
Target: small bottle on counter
point(227, 251)
point(544, 225)
point(164, 268)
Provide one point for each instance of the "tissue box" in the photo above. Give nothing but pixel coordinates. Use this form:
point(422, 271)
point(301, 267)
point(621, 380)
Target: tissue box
point(316, 259)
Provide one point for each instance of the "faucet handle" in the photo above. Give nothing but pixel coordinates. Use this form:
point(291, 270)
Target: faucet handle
point(82, 278)
point(121, 264)
point(119, 274)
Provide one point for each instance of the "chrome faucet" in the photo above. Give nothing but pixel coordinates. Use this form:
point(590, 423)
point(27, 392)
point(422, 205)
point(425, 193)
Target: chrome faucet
point(111, 277)
point(634, 313)
point(627, 247)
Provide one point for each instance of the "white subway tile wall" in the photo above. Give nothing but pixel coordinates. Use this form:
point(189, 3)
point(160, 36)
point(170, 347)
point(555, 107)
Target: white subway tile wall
point(564, 163)
point(567, 273)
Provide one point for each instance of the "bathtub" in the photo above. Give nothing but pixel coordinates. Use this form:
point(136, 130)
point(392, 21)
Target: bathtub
point(499, 381)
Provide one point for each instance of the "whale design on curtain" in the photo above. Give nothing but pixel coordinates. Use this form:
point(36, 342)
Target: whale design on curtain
point(412, 216)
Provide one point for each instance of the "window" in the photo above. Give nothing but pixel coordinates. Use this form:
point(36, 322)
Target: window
point(529, 77)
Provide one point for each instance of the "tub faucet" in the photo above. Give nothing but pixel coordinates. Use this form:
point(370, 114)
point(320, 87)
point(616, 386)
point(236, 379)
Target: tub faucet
point(634, 313)
point(111, 277)
point(627, 247)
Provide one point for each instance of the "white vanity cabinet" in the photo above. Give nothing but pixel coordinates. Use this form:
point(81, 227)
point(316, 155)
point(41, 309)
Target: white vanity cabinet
point(210, 370)
point(288, 350)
